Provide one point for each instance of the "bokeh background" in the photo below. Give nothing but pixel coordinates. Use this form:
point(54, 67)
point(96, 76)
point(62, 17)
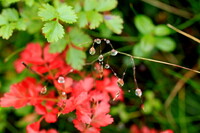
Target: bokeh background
point(171, 96)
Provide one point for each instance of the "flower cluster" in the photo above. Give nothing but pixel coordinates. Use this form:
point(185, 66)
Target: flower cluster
point(89, 98)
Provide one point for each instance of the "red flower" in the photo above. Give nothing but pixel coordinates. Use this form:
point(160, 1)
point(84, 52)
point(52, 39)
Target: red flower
point(49, 115)
point(35, 128)
point(109, 85)
point(21, 94)
point(42, 60)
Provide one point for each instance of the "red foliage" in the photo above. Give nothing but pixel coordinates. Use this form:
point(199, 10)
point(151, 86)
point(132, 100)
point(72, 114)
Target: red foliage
point(21, 94)
point(89, 98)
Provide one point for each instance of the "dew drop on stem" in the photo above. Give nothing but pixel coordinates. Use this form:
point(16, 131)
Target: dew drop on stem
point(63, 93)
point(120, 82)
point(107, 66)
point(138, 92)
point(113, 52)
point(98, 41)
point(61, 80)
point(107, 41)
point(92, 50)
point(43, 90)
point(100, 58)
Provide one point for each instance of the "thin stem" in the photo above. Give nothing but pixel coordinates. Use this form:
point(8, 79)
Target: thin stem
point(30, 69)
point(183, 33)
point(157, 61)
point(134, 73)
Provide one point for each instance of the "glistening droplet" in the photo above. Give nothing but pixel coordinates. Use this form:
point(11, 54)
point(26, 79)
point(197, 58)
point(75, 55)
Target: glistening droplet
point(107, 66)
point(107, 41)
point(61, 80)
point(138, 92)
point(129, 91)
point(120, 82)
point(63, 93)
point(92, 50)
point(43, 90)
point(100, 57)
point(113, 52)
point(98, 41)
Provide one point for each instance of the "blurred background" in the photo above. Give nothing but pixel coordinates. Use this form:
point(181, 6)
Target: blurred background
point(171, 96)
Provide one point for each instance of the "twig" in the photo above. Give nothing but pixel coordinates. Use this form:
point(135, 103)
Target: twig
point(157, 61)
point(183, 33)
point(168, 8)
point(178, 86)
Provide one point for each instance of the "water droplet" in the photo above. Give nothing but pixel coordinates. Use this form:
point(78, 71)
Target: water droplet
point(92, 50)
point(63, 93)
point(138, 92)
point(100, 57)
point(115, 74)
point(129, 91)
point(43, 90)
point(113, 52)
point(71, 70)
point(107, 66)
point(120, 82)
point(98, 41)
point(107, 41)
point(61, 80)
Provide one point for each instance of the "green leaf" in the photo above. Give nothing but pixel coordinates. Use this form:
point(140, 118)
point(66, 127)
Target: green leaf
point(66, 14)
point(59, 46)
point(10, 14)
point(106, 5)
point(7, 3)
point(75, 58)
point(47, 12)
point(7, 30)
point(147, 43)
point(165, 44)
point(144, 24)
point(82, 19)
point(33, 25)
point(94, 19)
point(89, 5)
point(29, 2)
point(21, 24)
point(79, 38)
point(162, 30)
point(114, 23)
point(53, 31)
point(137, 51)
point(3, 20)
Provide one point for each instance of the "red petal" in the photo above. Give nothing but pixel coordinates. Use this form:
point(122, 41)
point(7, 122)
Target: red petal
point(49, 57)
point(33, 128)
point(50, 117)
point(41, 110)
point(101, 120)
point(21, 93)
point(32, 54)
